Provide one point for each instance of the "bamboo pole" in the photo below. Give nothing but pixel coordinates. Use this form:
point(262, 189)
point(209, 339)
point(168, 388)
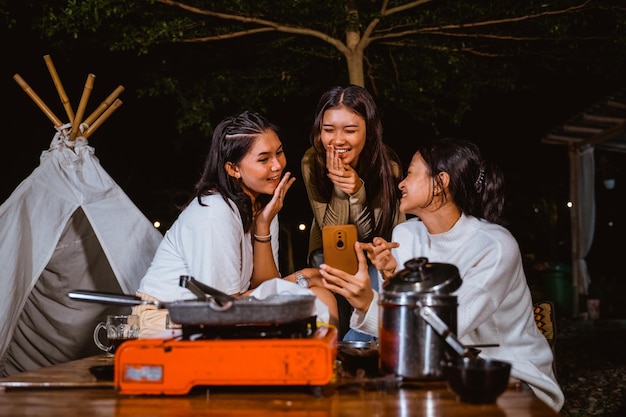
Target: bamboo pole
point(102, 118)
point(103, 106)
point(82, 106)
point(57, 83)
point(53, 118)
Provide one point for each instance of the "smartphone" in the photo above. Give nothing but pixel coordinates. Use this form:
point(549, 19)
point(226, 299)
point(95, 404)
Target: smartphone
point(338, 244)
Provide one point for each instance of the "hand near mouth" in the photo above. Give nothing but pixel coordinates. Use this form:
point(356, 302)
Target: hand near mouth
point(342, 175)
point(265, 217)
point(333, 161)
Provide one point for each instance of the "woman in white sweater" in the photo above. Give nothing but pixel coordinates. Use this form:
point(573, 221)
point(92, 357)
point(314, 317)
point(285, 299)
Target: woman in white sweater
point(227, 234)
point(457, 198)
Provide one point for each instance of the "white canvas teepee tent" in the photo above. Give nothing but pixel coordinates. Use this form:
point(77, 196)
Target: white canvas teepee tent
point(66, 226)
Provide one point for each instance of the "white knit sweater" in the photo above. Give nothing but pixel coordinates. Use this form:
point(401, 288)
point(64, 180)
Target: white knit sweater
point(495, 304)
point(208, 243)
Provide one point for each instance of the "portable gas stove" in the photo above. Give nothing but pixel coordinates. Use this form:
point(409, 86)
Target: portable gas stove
point(294, 354)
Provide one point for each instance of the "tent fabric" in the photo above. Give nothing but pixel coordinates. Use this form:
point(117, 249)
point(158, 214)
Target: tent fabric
point(582, 164)
point(66, 226)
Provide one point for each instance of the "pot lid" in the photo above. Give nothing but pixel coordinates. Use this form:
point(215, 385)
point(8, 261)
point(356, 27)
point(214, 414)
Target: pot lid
point(420, 276)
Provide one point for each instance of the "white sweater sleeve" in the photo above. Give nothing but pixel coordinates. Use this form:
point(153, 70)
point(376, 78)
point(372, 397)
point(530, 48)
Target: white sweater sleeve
point(368, 322)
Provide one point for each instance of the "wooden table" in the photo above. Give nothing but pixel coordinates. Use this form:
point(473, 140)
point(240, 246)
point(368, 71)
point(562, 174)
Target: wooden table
point(70, 390)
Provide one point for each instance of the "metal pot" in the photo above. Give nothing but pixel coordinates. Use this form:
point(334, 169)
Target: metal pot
point(409, 346)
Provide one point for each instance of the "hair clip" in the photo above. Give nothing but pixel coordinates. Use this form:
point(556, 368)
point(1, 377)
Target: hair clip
point(481, 178)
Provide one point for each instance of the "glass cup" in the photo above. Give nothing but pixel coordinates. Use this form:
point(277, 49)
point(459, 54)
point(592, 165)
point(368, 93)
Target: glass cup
point(119, 328)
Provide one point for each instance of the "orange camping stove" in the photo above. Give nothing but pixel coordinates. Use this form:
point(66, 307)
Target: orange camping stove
point(155, 366)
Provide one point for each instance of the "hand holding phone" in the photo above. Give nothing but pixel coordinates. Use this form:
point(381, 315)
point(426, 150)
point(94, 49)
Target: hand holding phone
point(338, 245)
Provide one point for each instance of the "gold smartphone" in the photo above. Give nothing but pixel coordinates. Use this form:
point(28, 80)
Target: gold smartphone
point(338, 242)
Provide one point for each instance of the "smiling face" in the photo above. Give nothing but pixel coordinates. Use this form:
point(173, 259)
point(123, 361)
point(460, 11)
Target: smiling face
point(345, 130)
point(261, 168)
point(416, 187)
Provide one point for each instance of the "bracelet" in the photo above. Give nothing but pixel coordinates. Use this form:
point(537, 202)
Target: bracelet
point(266, 240)
point(262, 237)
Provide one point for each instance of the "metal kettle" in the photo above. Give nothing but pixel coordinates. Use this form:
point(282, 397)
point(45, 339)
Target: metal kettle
point(409, 346)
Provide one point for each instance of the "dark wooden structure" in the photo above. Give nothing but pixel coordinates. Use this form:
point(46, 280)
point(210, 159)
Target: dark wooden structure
point(602, 126)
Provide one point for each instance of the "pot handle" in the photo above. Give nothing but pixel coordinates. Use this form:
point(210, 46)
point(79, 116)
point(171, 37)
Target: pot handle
point(110, 298)
point(218, 300)
point(430, 316)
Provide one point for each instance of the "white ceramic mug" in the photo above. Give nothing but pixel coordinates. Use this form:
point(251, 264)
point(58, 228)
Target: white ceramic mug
point(119, 328)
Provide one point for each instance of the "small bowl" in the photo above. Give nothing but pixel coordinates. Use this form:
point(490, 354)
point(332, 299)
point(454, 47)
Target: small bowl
point(356, 354)
point(477, 380)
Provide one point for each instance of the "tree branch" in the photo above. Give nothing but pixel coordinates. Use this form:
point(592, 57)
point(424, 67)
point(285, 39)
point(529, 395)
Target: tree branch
point(230, 35)
point(506, 37)
point(572, 9)
point(404, 7)
point(367, 37)
point(470, 50)
point(263, 22)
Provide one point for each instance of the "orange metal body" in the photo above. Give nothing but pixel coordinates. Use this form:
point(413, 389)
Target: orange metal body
point(154, 366)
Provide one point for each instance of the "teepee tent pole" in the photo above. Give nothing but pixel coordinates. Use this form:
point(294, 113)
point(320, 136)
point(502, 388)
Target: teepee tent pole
point(117, 103)
point(38, 101)
point(82, 106)
point(103, 106)
point(57, 83)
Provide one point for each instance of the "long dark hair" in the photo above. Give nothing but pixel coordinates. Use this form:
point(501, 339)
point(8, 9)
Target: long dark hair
point(476, 184)
point(232, 140)
point(375, 162)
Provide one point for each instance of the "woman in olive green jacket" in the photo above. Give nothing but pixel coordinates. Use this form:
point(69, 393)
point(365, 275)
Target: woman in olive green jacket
point(351, 176)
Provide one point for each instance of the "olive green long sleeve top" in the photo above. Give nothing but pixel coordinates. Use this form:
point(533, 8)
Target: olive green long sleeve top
point(342, 208)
